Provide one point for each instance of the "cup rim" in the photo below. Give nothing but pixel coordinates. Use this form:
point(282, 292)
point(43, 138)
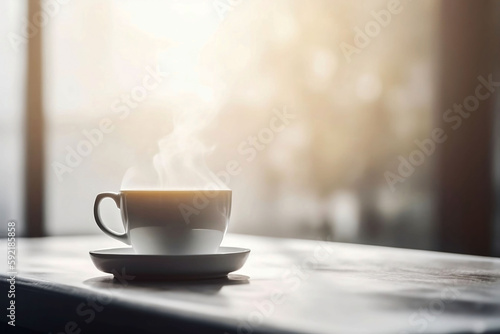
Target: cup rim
point(173, 190)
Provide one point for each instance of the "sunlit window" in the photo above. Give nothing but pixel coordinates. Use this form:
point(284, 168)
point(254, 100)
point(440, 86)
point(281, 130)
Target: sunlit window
point(314, 101)
point(11, 118)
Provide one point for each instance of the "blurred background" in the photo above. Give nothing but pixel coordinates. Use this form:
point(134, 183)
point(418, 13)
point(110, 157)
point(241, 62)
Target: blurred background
point(88, 88)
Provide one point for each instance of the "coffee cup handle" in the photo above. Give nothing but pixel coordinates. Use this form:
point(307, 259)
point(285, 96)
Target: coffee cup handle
point(123, 237)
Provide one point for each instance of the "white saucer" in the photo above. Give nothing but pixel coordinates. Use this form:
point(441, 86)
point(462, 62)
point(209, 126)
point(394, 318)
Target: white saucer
point(198, 266)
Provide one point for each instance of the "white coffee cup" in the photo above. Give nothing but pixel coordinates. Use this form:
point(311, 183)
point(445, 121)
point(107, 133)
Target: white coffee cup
point(170, 222)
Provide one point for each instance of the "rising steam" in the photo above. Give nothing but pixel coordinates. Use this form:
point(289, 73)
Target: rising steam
point(180, 163)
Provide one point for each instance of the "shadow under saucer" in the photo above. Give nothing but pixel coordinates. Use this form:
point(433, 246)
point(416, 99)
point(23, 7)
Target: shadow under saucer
point(205, 286)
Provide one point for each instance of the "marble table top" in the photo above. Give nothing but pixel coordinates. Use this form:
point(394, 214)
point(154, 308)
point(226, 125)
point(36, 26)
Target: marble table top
point(286, 286)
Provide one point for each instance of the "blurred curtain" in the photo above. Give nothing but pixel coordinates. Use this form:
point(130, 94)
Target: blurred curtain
point(468, 57)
